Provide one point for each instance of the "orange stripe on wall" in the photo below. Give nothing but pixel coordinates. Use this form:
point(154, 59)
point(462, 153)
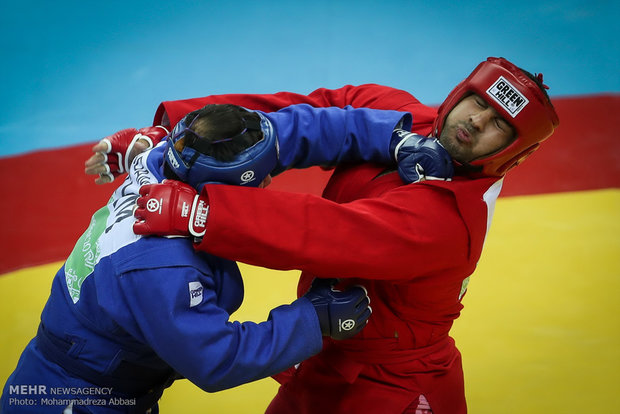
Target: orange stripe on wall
point(48, 201)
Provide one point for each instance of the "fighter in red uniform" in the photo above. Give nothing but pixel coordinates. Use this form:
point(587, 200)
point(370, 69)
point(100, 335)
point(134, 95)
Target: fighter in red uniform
point(414, 246)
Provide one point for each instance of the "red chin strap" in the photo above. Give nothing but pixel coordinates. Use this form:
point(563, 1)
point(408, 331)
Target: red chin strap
point(518, 99)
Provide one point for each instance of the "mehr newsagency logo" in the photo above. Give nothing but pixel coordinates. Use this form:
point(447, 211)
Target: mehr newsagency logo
point(509, 97)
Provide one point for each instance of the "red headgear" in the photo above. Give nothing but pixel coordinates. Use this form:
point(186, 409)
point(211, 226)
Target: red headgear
point(518, 99)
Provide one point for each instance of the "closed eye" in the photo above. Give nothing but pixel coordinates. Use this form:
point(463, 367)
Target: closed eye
point(502, 124)
point(481, 102)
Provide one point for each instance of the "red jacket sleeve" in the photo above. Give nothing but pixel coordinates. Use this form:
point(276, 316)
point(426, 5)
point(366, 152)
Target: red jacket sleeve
point(363, 96)
point(386, 237)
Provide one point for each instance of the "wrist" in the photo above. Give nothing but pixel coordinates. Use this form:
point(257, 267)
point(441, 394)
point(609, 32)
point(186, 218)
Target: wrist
point(197, 225)
point(399, 136)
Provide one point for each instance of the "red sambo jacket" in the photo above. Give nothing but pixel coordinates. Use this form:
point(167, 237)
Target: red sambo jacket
point(412, 246)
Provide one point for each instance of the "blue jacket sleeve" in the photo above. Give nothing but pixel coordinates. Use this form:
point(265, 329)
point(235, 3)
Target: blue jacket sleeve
point(311, 136)
point(176, 312)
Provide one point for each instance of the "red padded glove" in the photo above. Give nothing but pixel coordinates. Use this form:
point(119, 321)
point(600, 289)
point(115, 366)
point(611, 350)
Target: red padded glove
point(171, 208)
point(114, 154)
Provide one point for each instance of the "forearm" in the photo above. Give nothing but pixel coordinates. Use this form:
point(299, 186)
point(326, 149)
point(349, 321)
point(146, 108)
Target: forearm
point(362, 96)
point(251, 351)
point(199, 341)
point(379, 97)
point(175, 110)
point(372, 238)
point(311, 136)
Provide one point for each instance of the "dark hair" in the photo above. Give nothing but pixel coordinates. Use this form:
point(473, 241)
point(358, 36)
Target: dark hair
point(538, 81)
point(216, 131)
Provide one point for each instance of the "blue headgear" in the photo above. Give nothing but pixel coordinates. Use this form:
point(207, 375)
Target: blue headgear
point(248, 168)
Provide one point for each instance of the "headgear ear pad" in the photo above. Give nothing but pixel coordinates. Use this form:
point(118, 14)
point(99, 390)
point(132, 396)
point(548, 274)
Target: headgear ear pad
point(248, 168)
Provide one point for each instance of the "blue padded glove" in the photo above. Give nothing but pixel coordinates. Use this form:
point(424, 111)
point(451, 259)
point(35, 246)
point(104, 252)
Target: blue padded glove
point(420, 158)
point(342, 314)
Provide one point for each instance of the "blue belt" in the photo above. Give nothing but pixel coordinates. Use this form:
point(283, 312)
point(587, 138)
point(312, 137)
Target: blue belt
point(145, 384)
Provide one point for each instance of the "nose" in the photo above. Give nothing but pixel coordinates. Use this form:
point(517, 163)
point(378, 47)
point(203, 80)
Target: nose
point(480, 119)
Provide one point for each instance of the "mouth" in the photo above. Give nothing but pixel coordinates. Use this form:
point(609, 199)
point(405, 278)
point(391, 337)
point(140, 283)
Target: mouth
point(463, 136)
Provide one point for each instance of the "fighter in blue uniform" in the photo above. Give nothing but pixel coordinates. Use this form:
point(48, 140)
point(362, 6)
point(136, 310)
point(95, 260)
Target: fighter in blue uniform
point(127, 315)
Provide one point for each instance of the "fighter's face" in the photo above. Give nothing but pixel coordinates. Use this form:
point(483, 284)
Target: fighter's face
point(474, 130)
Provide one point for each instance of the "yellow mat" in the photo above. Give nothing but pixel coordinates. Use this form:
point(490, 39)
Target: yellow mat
point(540, 332)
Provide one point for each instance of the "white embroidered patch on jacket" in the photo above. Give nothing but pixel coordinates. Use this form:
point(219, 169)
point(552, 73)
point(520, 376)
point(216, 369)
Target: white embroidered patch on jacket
point(195, 293)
